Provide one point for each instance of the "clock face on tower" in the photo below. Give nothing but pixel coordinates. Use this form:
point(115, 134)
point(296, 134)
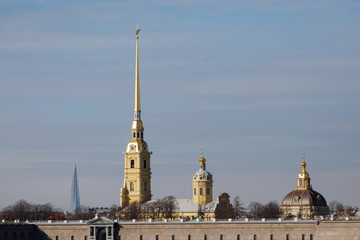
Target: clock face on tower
point(132, 148)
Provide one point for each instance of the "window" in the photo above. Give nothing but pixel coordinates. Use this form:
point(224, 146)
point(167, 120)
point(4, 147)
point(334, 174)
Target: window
point(138, 134)
point(189, 237)
point(22, 236)
point(144, 163)
point(194, 191)
point(221, 237)
point(85, 237)
point(271, 237)
point(134, 135)
point(132, 164)
point(201, 191)
point(207, 191)
point(303, 237)
point(311, 237)
point(145, 186)
point(173, 237)
point(72, 237)
point(57, 238)
point(238, 237)
point(131, 186)
point(6, 236)
point(14, 236)
point(205, 237)
point(92, 231)
point(141, 238)
point(157, 237)
point(109, 231)
point(142, 135)
point(287, 237)
point(255, 237)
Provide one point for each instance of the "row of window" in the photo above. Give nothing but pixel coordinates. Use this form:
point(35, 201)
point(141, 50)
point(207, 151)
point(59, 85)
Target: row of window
point(132, 164)
point(202, 192)
point(237, 237)
point(138, 135)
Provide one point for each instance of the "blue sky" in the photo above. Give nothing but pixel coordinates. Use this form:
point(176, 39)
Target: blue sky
point(254, 83)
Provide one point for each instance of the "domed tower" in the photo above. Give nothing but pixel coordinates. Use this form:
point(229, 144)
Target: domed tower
point(137, 172)
point(303, 202)
point(202, 184)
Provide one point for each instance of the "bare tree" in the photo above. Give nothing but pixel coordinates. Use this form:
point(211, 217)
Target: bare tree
point(254, 210)
point(239, 210)
point(24, 210)
point(270, 210)
point(168, 205)
point(132, 211)
point(153, 209)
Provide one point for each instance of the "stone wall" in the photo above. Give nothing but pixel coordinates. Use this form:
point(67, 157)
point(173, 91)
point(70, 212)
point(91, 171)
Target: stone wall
point(259, 230)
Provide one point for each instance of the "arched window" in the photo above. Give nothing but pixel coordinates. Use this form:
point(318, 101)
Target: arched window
point(109, 231)
point(144, 163)
point(287, 237)
point(57, 238)
point(255, 237)
point(142, 135)
point(194, 191)
point(72, 237)
point(271, 237)
point(201, 191)
point(22, 236)
point(14, 236)
point(6, 235)
point(205, 237)
point(173, 237)
point(303, 237)
point(189, 237)
point(207, 191)
point(138, 135)
point(238, 237)
point(85, 237)
point(311, 237)
point(145, 186)
point(221, 237)
point(132, 186)
point(132, 164)
point(157, 237)
point(141, 238)
point(134, 135)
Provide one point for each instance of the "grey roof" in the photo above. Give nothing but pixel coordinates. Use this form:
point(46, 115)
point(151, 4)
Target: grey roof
point(188, 205)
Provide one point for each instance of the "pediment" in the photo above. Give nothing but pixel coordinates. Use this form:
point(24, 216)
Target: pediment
point(100, 221)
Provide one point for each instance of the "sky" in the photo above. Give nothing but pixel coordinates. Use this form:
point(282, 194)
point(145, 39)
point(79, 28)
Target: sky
point(254, 83)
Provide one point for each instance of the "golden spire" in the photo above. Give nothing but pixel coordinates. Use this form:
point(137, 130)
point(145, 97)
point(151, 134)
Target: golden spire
point(137, 83)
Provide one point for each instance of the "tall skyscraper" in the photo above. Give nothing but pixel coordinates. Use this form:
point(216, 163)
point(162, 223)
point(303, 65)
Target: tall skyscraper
point(75, 196)
point(137, 172)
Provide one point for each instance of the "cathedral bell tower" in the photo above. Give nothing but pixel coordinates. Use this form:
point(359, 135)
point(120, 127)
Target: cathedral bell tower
point(202, 184)
point(137, 172)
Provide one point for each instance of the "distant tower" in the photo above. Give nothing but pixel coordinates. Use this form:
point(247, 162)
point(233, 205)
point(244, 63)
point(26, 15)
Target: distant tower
point(137, 172)
point(202, 184)
point(75, 196)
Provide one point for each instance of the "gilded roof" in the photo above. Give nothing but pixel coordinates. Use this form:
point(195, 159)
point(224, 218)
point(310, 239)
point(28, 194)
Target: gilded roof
point(303, 197)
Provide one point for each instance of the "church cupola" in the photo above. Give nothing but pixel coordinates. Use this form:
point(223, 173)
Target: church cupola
point(303, 177)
